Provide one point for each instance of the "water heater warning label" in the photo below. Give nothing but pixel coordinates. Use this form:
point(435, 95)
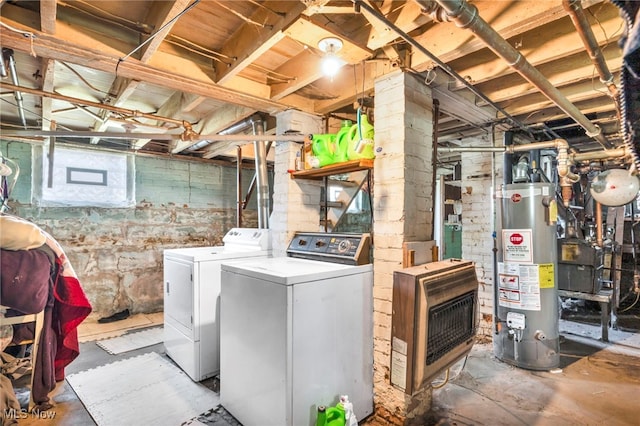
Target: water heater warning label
point(519, 285)
point(517, 245)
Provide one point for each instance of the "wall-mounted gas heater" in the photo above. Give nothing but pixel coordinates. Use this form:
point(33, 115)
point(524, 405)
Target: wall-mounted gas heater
point(433, 322)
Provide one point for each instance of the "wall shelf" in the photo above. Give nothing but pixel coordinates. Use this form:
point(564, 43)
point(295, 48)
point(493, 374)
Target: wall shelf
point(333, 169)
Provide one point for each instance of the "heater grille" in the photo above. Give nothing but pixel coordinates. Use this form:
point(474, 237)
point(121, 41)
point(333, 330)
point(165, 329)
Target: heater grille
point(450, 324)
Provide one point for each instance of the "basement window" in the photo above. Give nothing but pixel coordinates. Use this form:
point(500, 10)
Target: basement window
point(87, 178)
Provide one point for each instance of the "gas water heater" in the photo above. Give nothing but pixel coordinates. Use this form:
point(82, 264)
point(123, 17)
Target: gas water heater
point(526, 292)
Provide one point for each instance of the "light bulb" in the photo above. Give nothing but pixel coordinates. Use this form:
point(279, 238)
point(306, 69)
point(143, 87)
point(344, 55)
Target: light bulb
point(330, 62)
point(330, 65)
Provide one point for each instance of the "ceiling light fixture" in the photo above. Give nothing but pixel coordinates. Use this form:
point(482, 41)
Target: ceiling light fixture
point(330, 63)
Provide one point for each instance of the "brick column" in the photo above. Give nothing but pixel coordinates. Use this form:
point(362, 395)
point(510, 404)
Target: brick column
point(478, 211)
point(296, 203)
point(402, 194)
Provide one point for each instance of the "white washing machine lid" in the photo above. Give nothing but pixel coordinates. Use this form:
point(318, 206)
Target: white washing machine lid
point(289, 270)
point(215, 253)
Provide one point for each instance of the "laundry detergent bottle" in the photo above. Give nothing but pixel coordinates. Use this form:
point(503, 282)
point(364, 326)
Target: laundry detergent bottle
point(361, 139)
point(342, 142)
point(324, 148)
point(331, 416)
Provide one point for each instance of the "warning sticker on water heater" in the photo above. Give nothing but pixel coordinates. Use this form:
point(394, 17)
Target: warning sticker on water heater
point(519, 286)
point(517, 246)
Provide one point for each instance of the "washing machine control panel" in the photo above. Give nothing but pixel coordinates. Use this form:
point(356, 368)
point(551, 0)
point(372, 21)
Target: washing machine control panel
point(351, 249)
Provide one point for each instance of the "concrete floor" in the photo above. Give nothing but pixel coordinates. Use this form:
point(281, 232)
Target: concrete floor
point(598, 385)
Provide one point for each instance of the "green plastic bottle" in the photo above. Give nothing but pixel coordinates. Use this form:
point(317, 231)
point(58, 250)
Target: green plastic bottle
point(324, 148)
point(331, 416)
point(342, 142)
point(361, 139)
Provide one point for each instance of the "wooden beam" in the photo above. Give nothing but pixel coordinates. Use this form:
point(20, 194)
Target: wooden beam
point(348, 85)
point(572, 69)
point(122, 88)
point(510, 19)
point(48, 12)
point(48, 68)
point(309, 33)
point(160, 14)
point(250, 41)
point(50, 47)
point(306, 66)
point(579, 93)
point(542, 46)
point(407, 17)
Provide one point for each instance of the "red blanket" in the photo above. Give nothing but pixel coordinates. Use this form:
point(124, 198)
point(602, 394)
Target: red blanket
point(66, 307)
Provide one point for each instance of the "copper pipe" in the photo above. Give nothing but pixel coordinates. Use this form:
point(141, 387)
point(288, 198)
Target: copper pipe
point(599, 224)
point(73, 101)
point(8, 134)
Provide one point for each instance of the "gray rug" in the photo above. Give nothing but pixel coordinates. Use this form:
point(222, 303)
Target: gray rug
point(132, 341)
point(143, 390)
point(215, 417)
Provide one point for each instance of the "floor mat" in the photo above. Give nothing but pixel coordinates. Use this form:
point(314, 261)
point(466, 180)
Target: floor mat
point(145, 390)
point(132, 341)
point(217, 416)
point(90, 330)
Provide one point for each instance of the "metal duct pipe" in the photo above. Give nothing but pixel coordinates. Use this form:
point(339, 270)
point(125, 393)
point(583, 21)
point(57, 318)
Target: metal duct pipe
point(466, 15)
point(579, 19)
point(507, 159)
point(252, 184)
point(261, 174)
point(446, 68)
point(231, 130)
point(7, 55)
point(239, 187)
point(3, 67)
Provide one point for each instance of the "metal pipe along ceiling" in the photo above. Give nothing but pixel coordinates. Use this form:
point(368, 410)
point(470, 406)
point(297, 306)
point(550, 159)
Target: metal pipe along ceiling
point(261, 174)
point(466, 15)
point(446, 68)
point(576, 13)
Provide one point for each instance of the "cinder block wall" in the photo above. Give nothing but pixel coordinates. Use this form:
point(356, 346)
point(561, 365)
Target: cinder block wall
point(117, 252)
point(478, 211)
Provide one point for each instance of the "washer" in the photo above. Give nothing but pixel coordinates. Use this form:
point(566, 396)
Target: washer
point(297, 333)
point(192, 298)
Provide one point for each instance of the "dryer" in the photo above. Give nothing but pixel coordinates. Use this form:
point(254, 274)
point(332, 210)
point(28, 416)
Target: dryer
point(297, 331)
point(192, 298)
